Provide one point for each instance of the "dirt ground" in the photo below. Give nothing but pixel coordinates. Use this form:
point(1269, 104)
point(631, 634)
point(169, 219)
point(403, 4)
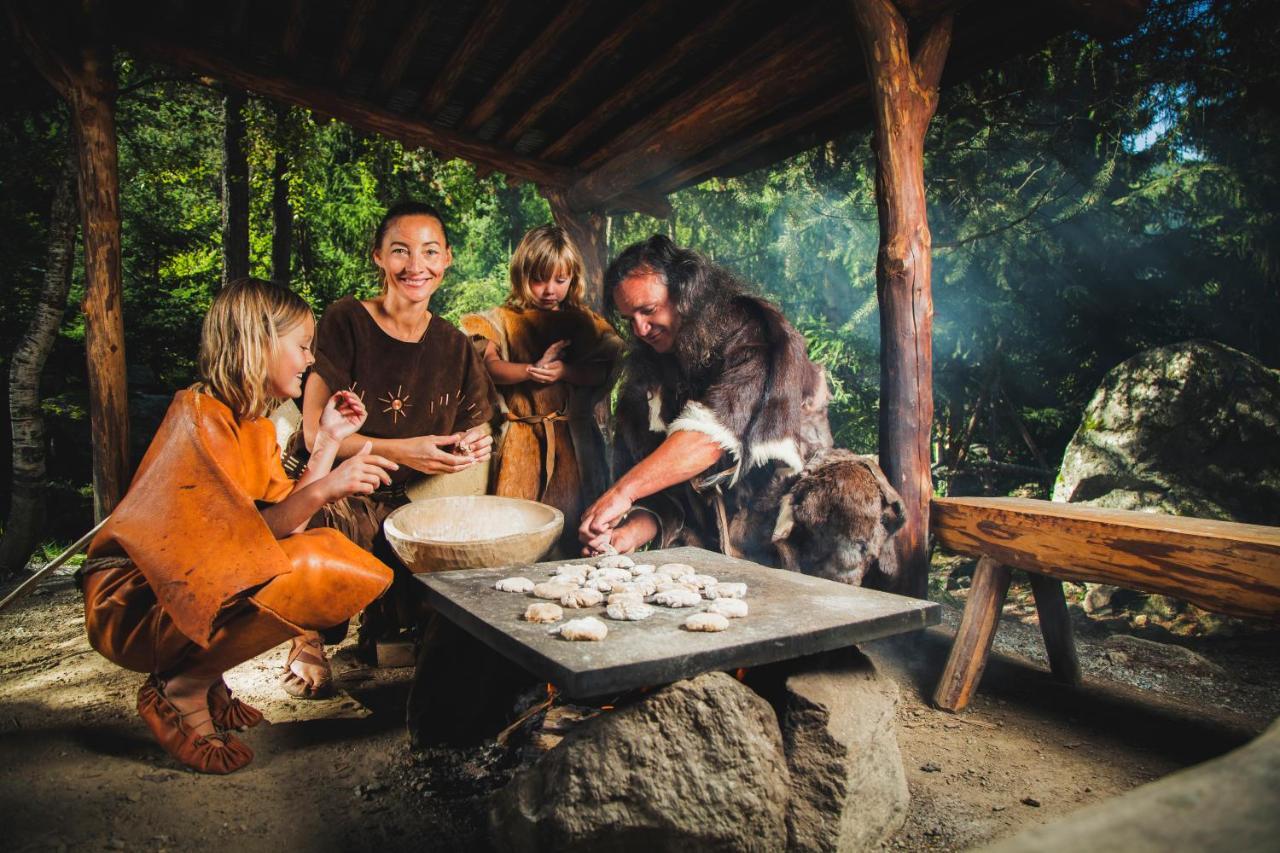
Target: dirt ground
point(79, 771)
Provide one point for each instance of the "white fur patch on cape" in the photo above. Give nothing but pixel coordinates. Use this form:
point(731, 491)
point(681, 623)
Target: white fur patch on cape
point(696, 417)
point(656, 424)
point(780, 450)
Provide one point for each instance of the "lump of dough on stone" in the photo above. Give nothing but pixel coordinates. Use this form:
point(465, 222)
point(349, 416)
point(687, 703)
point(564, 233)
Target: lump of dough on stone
point(587, 628)
point(615, 561)
point(602, 584)
point(615, 597)
point(667, 586)
point(543, 611)
point(734, 608)
point(644, 585)
point(642, 569)
point(676, 569)
point(582, 598)
point(706, 622)
point(700, 581)
point(554, 590)
point(677, 598)
point(616, 575)
point(514, 585)
point(728, 590)
point(573, 571)
point(628, 610)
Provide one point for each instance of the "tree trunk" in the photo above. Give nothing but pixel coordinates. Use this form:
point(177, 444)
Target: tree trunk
point(27, 509)
point(235, 190)
point(281, 211)
point(587, 230)
point(904, 96)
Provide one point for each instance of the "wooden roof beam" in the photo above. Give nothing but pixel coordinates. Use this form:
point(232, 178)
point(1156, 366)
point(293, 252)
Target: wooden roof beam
point(398, 59)
point(769, 70)
point(643, 83)
point(352, 38)
point(538, 49)
point(606, 47)
point(784, 126)
point(478, 35)
point(353, 111)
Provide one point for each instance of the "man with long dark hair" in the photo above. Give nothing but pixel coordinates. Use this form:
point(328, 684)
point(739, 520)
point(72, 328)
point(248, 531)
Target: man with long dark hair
point(720, 409)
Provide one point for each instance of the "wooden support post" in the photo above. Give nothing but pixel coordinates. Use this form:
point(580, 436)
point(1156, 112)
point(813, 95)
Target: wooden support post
point(1055, 627)
point(587, 230)
point(235, 189)
point(974, 637)
point(77, 61)
point(904, 97)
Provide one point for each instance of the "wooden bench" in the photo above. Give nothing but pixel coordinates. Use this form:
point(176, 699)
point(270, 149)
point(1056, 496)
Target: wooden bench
point(1218, 565)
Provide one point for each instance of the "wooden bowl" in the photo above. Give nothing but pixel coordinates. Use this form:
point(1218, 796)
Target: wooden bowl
point(472, 532)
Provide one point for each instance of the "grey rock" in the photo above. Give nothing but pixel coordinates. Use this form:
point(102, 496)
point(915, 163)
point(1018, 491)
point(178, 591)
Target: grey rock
point(697, 765)
point(1148, 653)
point(848, 787)
point(1187, 429)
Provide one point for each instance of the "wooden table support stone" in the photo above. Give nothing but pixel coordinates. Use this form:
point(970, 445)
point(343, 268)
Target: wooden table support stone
point(1221, 566)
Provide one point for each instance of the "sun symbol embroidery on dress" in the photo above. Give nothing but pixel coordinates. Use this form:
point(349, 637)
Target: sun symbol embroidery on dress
point(396, 404)
point(352, 389)
point(443, 400)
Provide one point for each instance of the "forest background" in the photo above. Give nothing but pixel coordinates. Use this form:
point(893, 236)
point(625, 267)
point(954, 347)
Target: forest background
point(1087, 202)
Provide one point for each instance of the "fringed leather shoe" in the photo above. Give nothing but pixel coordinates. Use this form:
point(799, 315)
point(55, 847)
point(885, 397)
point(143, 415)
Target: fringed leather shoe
point(229, 713)
point(217, 753)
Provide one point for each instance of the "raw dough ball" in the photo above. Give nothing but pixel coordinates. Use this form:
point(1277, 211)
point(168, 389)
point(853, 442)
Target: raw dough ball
point(677, 598)
point(602, 584)
point(644, 585)
point(642, 569)
point(583, 598)
point(573, 571)
point(554, 590)
point(587, 628)
point(734, 608)
point(667, 586)
point(615, 597)
point(728, 590)
point(543, 611)
point(706, 622)
point(514, 585)
point(616, 575)
point(700, 581)
point(676, 569)
point(628, 610)
point(615, 561)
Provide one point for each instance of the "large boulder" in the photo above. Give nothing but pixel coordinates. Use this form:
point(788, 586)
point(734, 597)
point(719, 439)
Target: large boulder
point(1187, 429)
point(697, 765)
point(848, 787)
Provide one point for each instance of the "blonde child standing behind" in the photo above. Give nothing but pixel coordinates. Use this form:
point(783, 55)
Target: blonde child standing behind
point(552, 359)
point(189, 577)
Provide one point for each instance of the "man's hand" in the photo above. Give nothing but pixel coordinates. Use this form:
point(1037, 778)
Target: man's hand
point(638, 530)
point(603, 515)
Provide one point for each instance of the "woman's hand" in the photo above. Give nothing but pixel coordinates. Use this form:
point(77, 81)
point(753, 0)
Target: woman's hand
point(343, 415)
point(476, 443)
point(424, 453)
point(546, 373)
point(358, 475)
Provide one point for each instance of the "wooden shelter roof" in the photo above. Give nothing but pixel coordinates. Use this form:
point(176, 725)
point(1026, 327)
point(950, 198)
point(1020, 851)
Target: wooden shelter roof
point(615, 105)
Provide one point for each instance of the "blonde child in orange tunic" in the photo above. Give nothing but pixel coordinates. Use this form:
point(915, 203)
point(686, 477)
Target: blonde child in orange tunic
point(189, 577)
point(552, 359)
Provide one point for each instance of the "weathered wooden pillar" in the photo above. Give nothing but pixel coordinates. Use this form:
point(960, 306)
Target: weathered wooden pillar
point(587, 230)
point(904, 97)
point(235, 189)
point(77, 61)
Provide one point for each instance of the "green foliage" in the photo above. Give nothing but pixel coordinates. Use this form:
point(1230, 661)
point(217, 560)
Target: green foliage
point(1087, 202)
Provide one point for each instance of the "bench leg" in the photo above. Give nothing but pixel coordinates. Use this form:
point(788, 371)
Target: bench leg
point(1055, 626)
point(973, 640)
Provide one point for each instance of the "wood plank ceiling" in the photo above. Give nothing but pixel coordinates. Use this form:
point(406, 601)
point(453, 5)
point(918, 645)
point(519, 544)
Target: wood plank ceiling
point(615, 104)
